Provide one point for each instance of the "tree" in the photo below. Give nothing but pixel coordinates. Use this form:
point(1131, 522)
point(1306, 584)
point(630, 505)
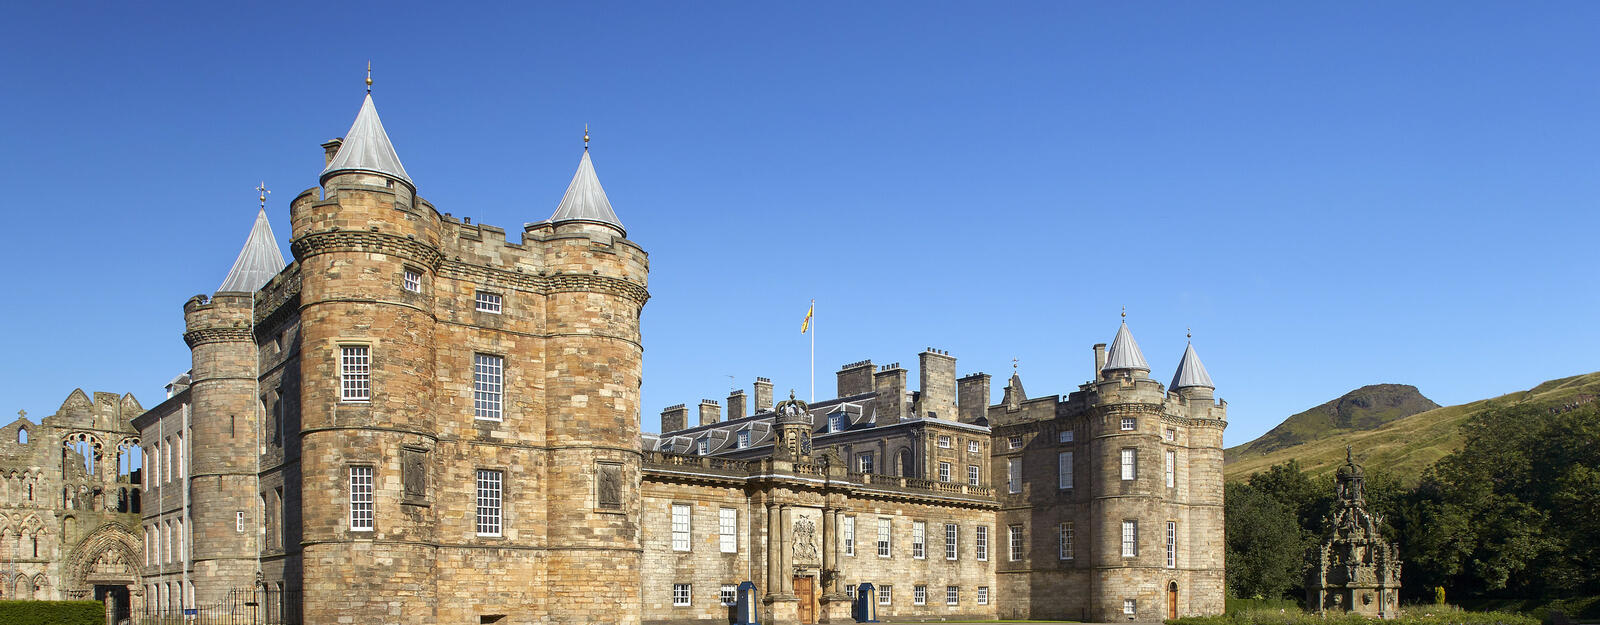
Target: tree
point(1265, 545)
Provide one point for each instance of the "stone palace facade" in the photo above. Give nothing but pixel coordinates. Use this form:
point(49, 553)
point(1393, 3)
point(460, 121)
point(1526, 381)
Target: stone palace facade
point(421, 420)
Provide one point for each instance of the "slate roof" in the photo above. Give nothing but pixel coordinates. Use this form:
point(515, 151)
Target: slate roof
point(1190, 372)
point(586, 200)
point(1125, 353)
point(367, 148)
point(258, 262)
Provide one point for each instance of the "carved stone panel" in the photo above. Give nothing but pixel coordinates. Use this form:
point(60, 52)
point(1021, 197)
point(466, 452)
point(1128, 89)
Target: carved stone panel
point(414, 474)
point(608, 485)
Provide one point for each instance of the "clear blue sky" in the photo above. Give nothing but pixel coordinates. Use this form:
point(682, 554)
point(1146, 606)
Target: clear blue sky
point(1330, 195)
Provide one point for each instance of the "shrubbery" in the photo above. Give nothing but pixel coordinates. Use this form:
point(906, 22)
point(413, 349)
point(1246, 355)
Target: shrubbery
point(1420, 615)
point(52, 612)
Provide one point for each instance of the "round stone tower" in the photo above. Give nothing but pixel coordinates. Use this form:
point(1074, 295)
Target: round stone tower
point(368, 396)
point(595, 280)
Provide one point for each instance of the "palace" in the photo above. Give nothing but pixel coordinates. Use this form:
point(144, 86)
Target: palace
point(421, 420)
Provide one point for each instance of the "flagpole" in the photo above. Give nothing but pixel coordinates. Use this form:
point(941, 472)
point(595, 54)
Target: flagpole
point(813, 351)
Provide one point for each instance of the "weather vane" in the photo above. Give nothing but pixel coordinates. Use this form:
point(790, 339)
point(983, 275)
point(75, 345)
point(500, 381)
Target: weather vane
point(369, 76)
point(1124, 312)
point(264, 191)
point(1188, 333)
point(1013, 366)
point(586, 137)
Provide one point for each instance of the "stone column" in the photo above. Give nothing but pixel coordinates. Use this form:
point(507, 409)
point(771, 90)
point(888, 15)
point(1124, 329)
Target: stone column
point(774, 551)
point(785, 566)
point(828, 556)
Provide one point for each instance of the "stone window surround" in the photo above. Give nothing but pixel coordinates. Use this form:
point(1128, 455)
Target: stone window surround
point(501, 522)
point(355, 370)
point(1130, 463)
point(1130, 538)
point(411, 279)
point(489, 391)
point(360, 491)
point(488, 302)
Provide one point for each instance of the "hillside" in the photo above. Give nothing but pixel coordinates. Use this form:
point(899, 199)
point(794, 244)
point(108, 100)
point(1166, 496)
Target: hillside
point(1407, 445)
point(1366, 408)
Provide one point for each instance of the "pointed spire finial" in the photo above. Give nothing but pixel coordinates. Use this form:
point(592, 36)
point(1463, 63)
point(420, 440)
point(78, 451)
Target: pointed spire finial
point(586, 137)
point(264, 191)
point(1188, 333)
point(1013, 366)
point(1348, 457)
point(369, 76)
point(1124, 312)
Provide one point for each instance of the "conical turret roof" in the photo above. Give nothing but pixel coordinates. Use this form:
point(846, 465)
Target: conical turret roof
point(258, 262)
point(1125, 353)
point(366, 148)
point(1190, 372)
point(586, 200)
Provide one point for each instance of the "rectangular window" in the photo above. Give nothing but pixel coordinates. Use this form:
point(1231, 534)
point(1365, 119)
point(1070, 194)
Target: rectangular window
point(944, 471)
point(1014, 475)
point(238, 521)
point(728, 526)
point(1064, 470)
point(836, 422)
point(360, 499)
point(729, 594)
point(883, 538)
point(983, 595)
point(488, 384)
point(919, 539)
point(980, 543)
point(680, 527)
point(1128, 607)
point(1172, 468)
point(952, 595)
point(972, 475)
point(973, 448)
point(1016, 442)
point(489, 502)
point(1130, 539)
point(681, 594)
point(487, 302)
point(850, 536)
point(1171, 434)
point(703, 446)
point(1130, 463)
point(1172, 544)
point(919, 595)
point(1064, 539)
point(850, 590)
point(864, 463)
point(1016, 543)
point(744, 439)
point(1064, 436)
point(885, 594)
point(944, 441)
point(355, 371)
point(181, 455)
point(952, 541)
point(1129, 423)
point(412, 281)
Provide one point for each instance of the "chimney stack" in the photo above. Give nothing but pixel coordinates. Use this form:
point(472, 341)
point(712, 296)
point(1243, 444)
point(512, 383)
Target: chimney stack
point(736, 405)
point(763, 395)
point(1099, 359)
point(937, 376)
point(710, 412)
point(855, 378)
point(674, 418)
point(972, 397)
point(890, 383)
point(331, 149)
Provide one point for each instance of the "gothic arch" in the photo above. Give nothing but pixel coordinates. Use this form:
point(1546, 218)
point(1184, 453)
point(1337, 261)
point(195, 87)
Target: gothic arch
point(110, 552)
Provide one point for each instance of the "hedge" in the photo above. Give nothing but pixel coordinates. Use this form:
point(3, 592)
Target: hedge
point(52, 612)
point(1416, 615)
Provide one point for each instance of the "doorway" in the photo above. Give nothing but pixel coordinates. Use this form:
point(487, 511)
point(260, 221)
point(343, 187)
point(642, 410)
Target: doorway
point(806, 591)
point(1172, 599)
point(118, 598)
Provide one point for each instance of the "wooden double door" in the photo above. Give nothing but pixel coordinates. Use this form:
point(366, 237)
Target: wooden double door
point(806, 590)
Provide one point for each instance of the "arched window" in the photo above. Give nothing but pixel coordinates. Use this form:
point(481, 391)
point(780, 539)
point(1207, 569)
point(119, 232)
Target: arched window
point(22, 435)
point(35, 540)
point(903, 460)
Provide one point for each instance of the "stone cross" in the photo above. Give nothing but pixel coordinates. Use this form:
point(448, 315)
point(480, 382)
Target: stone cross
point(22, 414)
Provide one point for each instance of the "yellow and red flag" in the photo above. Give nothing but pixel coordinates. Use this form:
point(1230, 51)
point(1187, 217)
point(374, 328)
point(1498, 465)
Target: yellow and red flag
point(806, 325)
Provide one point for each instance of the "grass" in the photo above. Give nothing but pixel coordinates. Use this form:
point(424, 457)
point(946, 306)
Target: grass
point(1414, 615)
point(1407, 446)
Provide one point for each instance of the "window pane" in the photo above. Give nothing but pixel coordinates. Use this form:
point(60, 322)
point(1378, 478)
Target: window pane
point(489, 502)
point(680, 527)
point(487, 385)
point(360, 499)
point(355, 367)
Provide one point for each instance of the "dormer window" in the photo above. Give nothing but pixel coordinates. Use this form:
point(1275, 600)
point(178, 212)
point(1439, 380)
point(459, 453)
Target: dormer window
point(705, 446)
point(488, 302)
point(743, 440)
point(836, 422)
